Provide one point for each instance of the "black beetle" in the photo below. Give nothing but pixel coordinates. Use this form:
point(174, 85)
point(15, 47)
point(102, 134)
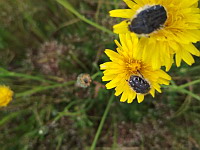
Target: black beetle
point(139, 84)
point(148, 20)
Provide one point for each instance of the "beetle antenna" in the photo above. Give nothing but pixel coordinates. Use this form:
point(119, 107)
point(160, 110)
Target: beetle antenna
point(140, 74)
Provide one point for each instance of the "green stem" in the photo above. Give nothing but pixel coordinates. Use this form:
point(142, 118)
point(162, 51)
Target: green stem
point(68, 6)
point(102, 123)
point(188, 84)
point(71, 114)
point(66, 112)
point(43, 88)
point(60, 139)
point(96, 75)
point(189, 93)
point(5, 73)
point(183, 107)
point(10, 116)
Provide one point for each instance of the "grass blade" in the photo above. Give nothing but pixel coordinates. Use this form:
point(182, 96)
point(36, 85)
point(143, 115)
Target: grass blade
point(69, 7)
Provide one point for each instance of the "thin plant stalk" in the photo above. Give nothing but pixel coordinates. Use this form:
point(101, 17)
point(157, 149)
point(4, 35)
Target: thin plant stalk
point(43, 88)
point(189, 84)
point(102, 123)
point(6, 73)
point(69, 7)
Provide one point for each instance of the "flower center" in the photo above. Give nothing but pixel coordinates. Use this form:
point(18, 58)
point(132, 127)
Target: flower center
point(133, 66)
point(149, 19)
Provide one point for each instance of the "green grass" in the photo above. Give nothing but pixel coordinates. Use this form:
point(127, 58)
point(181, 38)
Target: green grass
point(49, 111)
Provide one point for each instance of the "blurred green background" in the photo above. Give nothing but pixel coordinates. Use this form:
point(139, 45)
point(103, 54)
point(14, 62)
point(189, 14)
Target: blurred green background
point(44, 46)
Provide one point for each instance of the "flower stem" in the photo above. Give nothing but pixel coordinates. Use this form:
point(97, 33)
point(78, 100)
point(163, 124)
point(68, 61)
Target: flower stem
point(188, 84)
point(69, 7)
point(6, 73)
point(43, 88)
point(102, 123)
point(189, 93)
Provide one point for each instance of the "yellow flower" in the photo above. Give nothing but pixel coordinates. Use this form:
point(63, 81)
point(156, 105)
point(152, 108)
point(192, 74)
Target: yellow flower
point(5, 95)
point(129, 73)
point(165, 27)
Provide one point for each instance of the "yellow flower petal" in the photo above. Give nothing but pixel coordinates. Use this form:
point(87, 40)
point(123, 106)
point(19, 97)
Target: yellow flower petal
point(187, 57)
point(6, 95)
point(131, 96)
point(152, 92)
point(131, 4)
point(122, 13)
point(113, 55)
point(191, 48)
point(124, 96)
point(178, 58)
point(186, 3)
point(108, 77)
point(163, 81)
point(140, 98)
point(157, 87)
point(115, 82)
point(121, 27)
point(163, 75)
point(120, 88)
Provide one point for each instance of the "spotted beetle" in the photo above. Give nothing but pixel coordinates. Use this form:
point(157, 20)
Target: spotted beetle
point(148, 20)
point(139, 84)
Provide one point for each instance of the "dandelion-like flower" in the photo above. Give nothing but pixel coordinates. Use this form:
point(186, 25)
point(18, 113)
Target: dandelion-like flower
point(6, 95)
point(129, 73)
point(165, 28)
